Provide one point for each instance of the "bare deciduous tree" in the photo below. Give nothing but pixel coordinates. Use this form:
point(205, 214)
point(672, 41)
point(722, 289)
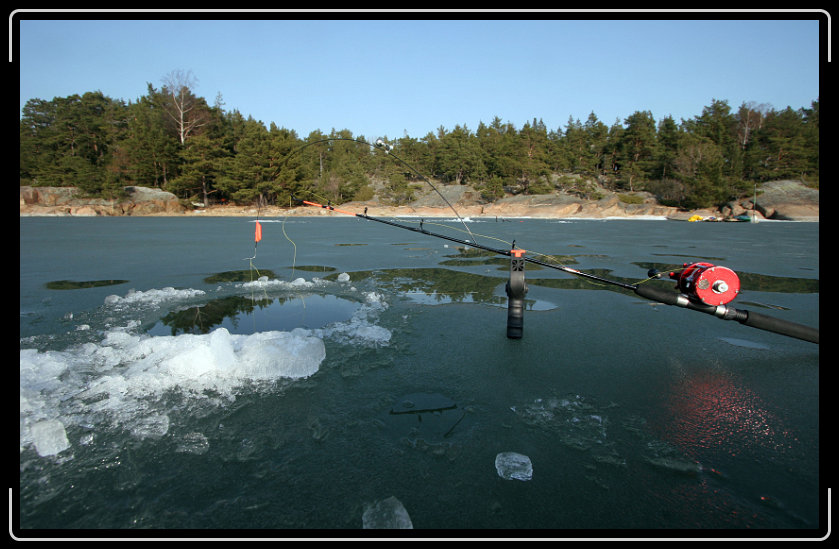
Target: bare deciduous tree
point(185, 109)
point(750, 118)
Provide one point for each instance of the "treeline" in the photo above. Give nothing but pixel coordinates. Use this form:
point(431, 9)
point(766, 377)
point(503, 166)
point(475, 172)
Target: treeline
point(173, 140)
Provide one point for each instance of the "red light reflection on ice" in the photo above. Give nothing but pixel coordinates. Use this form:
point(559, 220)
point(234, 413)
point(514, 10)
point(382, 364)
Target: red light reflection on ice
point(710, 410)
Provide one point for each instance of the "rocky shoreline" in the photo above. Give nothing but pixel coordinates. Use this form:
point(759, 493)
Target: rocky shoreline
point(778, 200)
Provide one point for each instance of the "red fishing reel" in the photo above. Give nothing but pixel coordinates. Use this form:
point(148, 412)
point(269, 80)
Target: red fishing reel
point(707, 283)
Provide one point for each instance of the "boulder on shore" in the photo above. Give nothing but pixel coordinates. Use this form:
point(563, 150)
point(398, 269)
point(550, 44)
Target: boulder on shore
point(788, 200)
point(68, 201)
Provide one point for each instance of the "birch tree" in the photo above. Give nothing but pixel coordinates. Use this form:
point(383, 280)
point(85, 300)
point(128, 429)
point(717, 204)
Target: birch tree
point(187, 111)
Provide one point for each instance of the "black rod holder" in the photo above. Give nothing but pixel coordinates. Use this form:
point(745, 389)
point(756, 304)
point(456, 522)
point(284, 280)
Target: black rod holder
point(516, 290)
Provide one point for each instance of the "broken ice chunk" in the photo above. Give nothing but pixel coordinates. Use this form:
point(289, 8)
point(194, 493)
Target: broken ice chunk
point(49, 437)
point(513, 466)
point(388, 514)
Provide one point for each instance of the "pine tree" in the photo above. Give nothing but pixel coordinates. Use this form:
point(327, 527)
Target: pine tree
point(576, 147)
point(699, 167)
point(783, 145)
point(638, 148)
point(152, 153)
point(668, 137)
point(248, 173)
point(596, 134)
point(37, 149)
point(459, 159)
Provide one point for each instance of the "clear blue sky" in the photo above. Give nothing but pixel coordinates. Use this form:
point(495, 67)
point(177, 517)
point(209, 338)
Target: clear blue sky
point(395, 74)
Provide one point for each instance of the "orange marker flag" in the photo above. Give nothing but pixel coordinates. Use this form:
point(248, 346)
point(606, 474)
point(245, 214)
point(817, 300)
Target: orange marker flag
point(258, 236)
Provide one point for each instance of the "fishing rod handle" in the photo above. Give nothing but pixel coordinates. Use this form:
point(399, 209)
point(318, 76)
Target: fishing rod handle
point(747, 318)
point(772, 324)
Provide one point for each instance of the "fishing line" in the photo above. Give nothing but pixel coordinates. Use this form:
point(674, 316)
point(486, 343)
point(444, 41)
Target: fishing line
point(251, 268)
point(551, 259)
point(256, 238)
point(388, 150)
point(294, 257)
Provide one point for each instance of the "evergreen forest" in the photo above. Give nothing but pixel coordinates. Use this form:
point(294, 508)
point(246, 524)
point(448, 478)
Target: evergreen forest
point(173, 140)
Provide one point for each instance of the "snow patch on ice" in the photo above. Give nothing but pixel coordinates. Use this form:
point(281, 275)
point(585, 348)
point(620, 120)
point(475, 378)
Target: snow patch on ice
point(361, 328)
point(123, 379)
point(114, 381)
point(151, 297)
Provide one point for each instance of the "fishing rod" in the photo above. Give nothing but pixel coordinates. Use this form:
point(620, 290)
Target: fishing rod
point(703, 287)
